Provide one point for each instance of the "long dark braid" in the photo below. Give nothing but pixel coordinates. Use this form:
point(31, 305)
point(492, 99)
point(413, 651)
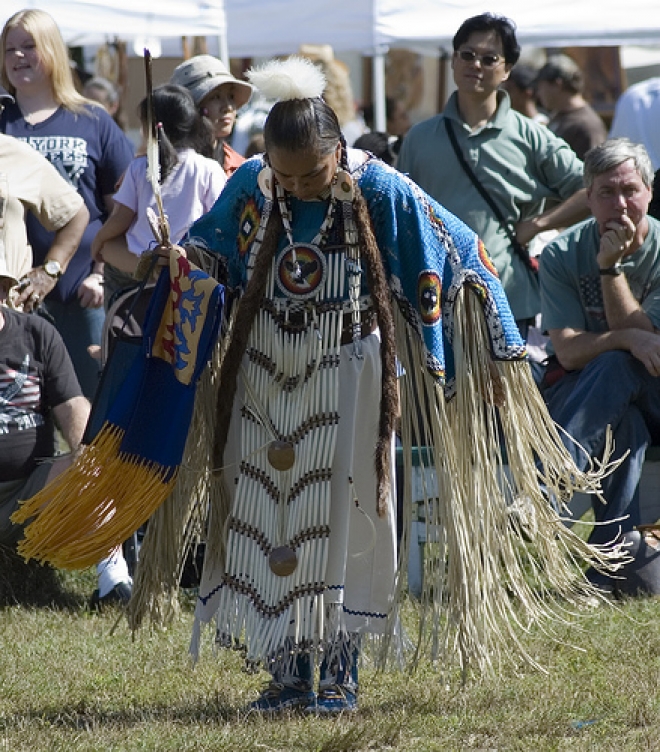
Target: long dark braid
point(380, 298)
point(246, 313)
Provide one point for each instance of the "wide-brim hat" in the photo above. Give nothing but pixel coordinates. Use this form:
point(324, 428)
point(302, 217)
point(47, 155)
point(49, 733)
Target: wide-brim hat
point(204, 73)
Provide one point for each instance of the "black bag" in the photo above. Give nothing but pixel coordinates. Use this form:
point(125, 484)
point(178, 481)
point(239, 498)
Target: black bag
point(641, 576)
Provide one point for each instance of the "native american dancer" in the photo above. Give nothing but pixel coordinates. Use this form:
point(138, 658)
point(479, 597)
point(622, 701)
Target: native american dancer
point(342, 264)
point(350, 284)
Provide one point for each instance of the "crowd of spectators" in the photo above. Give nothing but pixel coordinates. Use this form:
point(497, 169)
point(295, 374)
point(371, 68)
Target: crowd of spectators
point(516, 152)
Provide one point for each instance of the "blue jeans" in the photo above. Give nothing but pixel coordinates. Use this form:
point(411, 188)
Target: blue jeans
point(613, 389)
point(80, 327)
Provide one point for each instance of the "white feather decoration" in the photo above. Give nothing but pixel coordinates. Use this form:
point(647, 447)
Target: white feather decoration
point(293, 78)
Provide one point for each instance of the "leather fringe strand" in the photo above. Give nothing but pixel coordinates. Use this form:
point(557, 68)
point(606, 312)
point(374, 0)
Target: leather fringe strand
point(182, 520)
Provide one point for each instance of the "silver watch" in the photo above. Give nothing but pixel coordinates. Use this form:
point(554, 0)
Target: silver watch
point(53, 269)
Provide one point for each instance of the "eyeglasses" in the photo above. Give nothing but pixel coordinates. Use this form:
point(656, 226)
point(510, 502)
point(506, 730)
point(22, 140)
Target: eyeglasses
point(487, 61)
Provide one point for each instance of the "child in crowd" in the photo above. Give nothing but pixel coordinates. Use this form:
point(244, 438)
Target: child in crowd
point(190, 181)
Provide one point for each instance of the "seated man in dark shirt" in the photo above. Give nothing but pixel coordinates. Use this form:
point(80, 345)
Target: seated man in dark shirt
point(38, 389)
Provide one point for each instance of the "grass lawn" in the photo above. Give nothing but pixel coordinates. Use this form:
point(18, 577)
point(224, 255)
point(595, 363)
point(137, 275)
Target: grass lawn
point(75, 681)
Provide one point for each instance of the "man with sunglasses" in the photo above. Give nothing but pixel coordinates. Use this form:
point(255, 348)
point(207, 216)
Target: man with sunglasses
point(505, 176)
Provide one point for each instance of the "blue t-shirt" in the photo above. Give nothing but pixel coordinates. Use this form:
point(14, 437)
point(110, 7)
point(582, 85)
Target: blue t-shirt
point(91, 152)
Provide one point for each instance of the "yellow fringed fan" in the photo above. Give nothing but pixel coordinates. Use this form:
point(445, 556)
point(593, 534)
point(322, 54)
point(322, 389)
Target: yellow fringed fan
point(123, 476)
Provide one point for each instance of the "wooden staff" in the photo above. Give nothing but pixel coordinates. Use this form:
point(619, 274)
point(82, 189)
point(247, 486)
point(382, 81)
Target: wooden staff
point(159, 224)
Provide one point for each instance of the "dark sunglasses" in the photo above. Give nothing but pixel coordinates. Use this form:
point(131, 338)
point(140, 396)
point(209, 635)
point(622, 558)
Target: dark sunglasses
point(488, 60)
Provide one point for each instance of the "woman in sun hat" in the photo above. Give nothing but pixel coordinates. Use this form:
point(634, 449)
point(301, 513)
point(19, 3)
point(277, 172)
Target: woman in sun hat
point(219, 96)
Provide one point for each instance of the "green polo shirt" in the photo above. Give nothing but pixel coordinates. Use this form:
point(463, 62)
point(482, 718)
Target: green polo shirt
point(571, 292)
point(519, 162)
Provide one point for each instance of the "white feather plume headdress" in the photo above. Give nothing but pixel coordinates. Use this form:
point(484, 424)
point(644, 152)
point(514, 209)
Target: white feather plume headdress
point(293, 78)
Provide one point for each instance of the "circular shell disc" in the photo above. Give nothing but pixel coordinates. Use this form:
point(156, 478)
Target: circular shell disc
point(281, 455)
point(282, 561)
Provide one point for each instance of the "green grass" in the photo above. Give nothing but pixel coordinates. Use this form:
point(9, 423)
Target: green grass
point(74, 681)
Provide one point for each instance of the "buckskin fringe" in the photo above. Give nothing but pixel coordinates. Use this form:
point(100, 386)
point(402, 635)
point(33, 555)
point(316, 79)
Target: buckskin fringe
point(181, 520)
point(490, 575)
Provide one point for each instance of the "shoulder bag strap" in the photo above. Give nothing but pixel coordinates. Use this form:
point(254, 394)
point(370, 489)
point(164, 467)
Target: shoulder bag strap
point(518, 249)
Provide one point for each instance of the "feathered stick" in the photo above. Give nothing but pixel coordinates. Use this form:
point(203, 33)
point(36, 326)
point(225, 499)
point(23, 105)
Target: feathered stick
point(159, 224)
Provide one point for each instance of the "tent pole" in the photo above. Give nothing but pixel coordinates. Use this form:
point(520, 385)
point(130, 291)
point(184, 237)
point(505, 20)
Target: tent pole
point(223, 45)
point(223, 50)
point(378, 62)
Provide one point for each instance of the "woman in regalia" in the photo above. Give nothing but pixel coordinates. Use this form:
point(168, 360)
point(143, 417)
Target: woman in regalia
point(352, 287)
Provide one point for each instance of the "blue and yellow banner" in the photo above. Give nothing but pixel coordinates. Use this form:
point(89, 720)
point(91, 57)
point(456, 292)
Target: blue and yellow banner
point(130, 467)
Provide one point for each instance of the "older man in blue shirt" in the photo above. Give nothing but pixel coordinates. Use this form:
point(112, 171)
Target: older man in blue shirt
point(600, 290)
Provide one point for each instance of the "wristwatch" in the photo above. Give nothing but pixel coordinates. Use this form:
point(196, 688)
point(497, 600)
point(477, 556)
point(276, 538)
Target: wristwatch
point(53, 269)
point(611, 271)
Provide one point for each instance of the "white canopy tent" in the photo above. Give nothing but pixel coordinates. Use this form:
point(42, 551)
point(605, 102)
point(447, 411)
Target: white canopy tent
point(373, 26)
point(270, 27)
point(89, 22)
point(541, 23)
point(261, 28)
